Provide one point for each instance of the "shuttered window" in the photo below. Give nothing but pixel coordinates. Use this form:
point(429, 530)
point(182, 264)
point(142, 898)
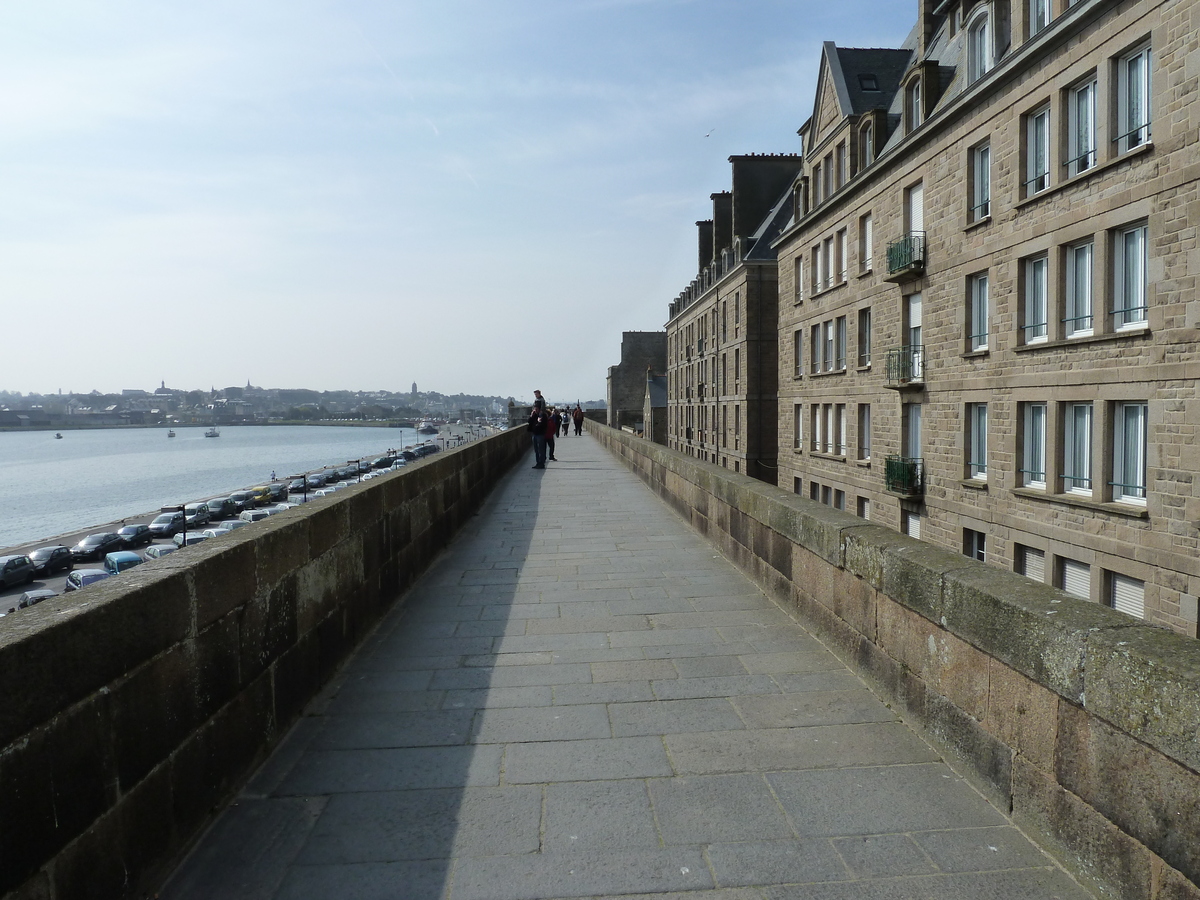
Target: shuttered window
point(1127, 595)
point(912, 524)
point(1077, 579)
point(1031, 563)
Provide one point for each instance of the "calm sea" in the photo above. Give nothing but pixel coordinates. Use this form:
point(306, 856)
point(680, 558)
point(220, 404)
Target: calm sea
point(49, 487)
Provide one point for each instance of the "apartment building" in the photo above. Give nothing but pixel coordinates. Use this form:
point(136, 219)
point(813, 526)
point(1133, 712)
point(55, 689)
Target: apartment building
point(988, 317)
point(722, 349)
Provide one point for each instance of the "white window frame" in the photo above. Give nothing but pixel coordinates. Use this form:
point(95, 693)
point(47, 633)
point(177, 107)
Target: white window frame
point(1077, 449)
point(1131, 256)
point(1081, 129)
point(981, 182)
point(1133, 100)
point(979, 45)
point(866, 241)
point(980, 310)
point(975, 544)
point(866, 143)
point(1035, 329)
point(839, 426)
point(798, 272)
point(977, 434)
point(1033, 457)
point(843, 254)
point(864, 337)
point(912, 103)
point(864, 431)
point(798, 352)
point(797, 426)
point(1039, 16)
point(1080, 309)
point(839, 346)
point(1037, 151)
point(1129, 453)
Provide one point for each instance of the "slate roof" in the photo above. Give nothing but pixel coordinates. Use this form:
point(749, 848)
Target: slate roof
point(887, 66)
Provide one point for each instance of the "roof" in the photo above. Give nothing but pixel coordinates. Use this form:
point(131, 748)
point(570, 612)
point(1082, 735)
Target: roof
point(656, 387)
point(772, 226)
point(857, 68)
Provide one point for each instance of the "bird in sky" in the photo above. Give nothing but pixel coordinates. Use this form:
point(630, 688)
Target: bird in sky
point(710, 131)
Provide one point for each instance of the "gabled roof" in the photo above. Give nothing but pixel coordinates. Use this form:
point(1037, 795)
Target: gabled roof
point(859, 66)
point(772, 226)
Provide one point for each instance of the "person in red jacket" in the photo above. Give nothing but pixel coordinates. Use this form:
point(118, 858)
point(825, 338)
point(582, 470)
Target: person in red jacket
point(552, 430)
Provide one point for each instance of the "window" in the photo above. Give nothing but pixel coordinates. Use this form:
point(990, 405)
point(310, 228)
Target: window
point(827, 346)
point(977, 441)
point(828, 351)
point(1030, 562)
point(1078, 320)
point(1077, 452)
point(866, 146)
point(839, 359)
point(1033, 458)
point(814, 491)
point(1034, 330)
point(912, 430)
point(864, 337)
point(796, 484)
point(1039, 15)
point(1133, 100)
point(864, 508)
point(839, 499)
point(865, 243)
point(1129, 295)
point(839, 425)
point(910, 523)
point(814, 355)
point(842, 170)
point(818, 271)
point(914, 111)
point(981, 182)
point(1127, 595)
point(737, 427)
point(868, 82)
point(1081, 124)
point(1037, 151)
point(977, 323)
point(827, 262)
point(737, 370)
point(979, 47)
point(1129, 453)
point(974, 544)
point(864, 431)
point(1075, 578)
point(842, 253)
point(827, 177)
point(798, 273)
point(797, 427)
point(797, 346)
point(724, 374)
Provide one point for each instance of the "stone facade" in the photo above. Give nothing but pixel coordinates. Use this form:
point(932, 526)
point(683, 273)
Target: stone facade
point(721, 336)
point(988, 318)
point(640, 350)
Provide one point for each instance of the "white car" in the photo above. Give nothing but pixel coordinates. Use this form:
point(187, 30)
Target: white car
point(254, 515)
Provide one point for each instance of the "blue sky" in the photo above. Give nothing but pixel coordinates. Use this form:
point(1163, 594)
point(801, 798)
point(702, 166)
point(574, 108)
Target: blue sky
point(476, 196)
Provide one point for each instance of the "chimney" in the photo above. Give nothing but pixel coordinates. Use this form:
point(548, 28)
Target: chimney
point(927, 25)
point(704, 234)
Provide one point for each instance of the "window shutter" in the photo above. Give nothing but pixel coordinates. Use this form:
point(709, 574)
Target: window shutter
point(1034, 564)
point(1129, 596)
point(1077, 579)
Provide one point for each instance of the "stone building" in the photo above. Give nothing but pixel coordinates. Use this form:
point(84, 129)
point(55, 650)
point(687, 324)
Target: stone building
point(640, 350)
point(722, 332)
point(654, 409)
point(988, 320)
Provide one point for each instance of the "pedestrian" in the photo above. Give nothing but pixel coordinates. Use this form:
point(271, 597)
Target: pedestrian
point(538, 420)
point(272, 474)
point(577, 416)
point(551, 431)
point(566, 423)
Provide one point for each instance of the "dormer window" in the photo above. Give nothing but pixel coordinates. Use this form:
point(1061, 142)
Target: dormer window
point(914, 110)
point(866, 145)
point(979, 46)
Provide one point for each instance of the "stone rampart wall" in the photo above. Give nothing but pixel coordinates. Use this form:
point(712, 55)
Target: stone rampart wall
point(132, 711)
point(1082, 723)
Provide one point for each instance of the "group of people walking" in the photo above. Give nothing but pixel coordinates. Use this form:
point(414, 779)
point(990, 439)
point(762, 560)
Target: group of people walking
point(545, 422)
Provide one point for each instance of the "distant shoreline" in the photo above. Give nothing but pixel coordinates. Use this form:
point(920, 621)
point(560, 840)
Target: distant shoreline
point(352, 423)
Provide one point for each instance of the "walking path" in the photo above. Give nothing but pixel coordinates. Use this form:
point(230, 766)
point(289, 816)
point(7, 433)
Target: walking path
point(582, 699)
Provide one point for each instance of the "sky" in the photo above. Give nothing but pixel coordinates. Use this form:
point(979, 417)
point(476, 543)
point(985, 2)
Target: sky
point(475, 195)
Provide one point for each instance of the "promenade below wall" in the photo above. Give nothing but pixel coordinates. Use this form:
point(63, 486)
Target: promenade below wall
point(582, 698)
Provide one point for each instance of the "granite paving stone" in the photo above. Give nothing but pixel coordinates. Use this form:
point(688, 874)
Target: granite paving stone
point(581, 698)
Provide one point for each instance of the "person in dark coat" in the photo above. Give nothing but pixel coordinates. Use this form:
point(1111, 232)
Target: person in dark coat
point(539, 421)
point(551, 431)
point(577, 417)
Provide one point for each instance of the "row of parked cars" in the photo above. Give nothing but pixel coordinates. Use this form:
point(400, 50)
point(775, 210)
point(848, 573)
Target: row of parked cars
point(184, 525)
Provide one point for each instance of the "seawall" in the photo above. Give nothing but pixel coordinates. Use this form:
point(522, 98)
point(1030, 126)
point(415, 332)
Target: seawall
point(1080, 721)
point(132, 711)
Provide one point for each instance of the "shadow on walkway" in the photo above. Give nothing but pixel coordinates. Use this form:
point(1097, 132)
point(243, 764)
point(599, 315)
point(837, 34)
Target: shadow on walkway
point(582, 699)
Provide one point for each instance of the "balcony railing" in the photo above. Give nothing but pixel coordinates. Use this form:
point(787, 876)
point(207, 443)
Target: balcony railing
point(906, 367)
point(904, 476)
point(906, 256)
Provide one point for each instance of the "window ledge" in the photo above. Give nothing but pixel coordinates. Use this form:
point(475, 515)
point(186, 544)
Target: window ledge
point(819, 454)
point(1087, 339)
point(979, 223)
point(829, 290)
point(978, 354)
point(1095, 170)
point(841, 371)
point(1117, 509)
point(866, 367)
point(975, 484)
point(863, 463)
point(863, 273)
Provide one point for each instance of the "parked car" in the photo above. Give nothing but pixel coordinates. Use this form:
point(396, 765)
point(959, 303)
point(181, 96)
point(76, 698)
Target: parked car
point(94, 546)
point(81, 578)
point(383, 462)
point(32, 598)
point(17, 569)
point(197, 515)
point(48, 560)
point(315, 482)
point(221, 508)
point(283, 507)
point(364, 466)
point(167, 525)
point(135, 536)
point(186, 540)
point(261, 494)
point(242, 500)
point(158, 550)
point(277, 492)
point(219, 531)
point(116, 563)
point(234, 524)
point(254, 515)
point(297, 485)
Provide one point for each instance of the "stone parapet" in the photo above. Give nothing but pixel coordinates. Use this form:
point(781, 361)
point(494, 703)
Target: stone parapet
point(1080, 721)
point(132, 711)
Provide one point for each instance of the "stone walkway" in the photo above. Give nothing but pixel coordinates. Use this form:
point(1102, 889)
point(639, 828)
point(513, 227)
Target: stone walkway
point(581, 699)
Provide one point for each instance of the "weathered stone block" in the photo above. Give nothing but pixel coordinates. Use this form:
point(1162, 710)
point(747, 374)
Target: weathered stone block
point(1022, 714)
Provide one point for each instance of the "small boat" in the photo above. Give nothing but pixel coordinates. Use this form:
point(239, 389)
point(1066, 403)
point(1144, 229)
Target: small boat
point(171, 433)
point(427, 428)
point(58, 435)
point(212, 432)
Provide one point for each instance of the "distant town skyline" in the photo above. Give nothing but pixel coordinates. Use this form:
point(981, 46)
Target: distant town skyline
point(483, 193)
